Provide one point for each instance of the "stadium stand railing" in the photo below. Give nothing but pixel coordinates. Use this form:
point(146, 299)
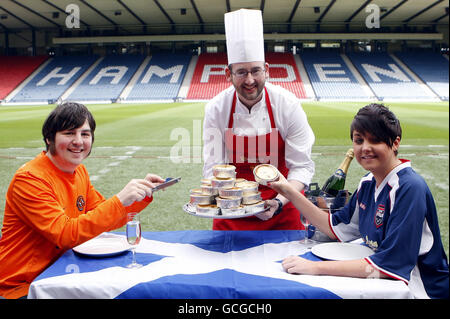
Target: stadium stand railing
point(309, 91)
point(184, 89)
point(14, 70)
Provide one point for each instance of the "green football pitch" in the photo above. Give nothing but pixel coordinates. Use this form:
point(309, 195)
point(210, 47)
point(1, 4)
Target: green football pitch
point(134, 139)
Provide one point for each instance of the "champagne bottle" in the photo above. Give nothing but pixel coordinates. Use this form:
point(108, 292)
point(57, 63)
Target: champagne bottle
point(336, 182)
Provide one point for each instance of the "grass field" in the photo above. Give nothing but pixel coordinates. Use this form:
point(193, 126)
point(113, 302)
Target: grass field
point(131, 140)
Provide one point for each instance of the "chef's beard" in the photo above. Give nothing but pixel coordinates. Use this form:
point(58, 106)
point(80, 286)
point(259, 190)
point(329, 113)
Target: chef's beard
point(251, 97)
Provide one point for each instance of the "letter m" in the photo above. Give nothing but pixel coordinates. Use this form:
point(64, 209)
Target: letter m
point(155, 69)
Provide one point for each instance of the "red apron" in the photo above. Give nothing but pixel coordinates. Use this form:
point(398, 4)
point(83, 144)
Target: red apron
point(245, 153)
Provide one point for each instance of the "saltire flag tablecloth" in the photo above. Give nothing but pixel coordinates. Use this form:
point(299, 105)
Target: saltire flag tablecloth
point(204, 264)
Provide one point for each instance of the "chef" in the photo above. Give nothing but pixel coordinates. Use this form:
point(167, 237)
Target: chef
point(254, 122)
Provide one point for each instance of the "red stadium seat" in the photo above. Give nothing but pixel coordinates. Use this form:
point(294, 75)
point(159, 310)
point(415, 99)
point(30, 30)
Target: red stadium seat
point(283, 72)
point(209, 75)
point(15, 69)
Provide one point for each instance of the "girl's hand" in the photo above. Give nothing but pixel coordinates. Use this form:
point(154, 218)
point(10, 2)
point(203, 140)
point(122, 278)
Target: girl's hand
point(299, 265)
point(281, 186)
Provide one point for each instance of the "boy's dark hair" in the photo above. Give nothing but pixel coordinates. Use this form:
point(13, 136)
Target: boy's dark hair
point(66, 116)
point(378, 121)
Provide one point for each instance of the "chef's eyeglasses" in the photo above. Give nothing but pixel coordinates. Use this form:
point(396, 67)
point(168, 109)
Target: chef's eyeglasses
point(242, 73)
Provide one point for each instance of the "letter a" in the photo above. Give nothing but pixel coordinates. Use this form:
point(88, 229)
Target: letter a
point(373, 19)
point(73, 17)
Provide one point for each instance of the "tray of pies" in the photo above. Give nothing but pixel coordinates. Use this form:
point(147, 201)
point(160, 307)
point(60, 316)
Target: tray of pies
point(225, 197)
point(212, 211)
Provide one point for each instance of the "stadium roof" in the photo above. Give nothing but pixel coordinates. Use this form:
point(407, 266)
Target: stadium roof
point(128, 15)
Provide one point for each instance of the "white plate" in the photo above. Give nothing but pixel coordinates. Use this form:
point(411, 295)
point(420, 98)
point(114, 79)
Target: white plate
point(104, 245)
point(190, 209)
point(341, 251)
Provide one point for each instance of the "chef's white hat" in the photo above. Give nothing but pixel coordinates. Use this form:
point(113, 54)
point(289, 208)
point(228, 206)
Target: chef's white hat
point(245, 36)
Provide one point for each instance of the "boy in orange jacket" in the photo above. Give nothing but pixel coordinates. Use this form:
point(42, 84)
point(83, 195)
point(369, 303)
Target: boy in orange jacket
point(51, 205)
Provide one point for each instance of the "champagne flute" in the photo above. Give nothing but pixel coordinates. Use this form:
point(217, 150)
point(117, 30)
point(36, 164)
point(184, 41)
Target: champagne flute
point(306, 241)
point(133, 236)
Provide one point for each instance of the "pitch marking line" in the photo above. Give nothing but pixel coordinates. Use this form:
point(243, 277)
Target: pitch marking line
point(119, 160)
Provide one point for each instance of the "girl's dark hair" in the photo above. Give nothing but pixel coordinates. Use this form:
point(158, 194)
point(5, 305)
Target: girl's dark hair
point(66, 116)
point(378, 121)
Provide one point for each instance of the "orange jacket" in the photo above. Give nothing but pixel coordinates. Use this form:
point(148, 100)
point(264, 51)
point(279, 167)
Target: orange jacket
point(48, 212)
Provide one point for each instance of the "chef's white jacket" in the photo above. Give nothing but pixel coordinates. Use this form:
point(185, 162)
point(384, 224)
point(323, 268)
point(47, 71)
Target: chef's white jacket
point(290, 120)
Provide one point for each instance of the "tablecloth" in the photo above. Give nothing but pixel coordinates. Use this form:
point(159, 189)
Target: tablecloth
point(204, 264)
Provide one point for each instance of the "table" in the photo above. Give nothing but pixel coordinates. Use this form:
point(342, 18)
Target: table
point(204, 264)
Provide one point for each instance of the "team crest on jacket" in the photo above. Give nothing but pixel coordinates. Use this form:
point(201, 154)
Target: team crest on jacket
point(379, 216)
point(80, 203)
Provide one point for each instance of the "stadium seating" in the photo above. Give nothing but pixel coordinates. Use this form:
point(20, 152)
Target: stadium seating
point(209, 75)
point(107, 80)
point(386, 78)
point(161, 76)
point(431, 68)
point(283, 72)
point(330, 77)
point(15, 69)
point(55, 78)
point(161, 79)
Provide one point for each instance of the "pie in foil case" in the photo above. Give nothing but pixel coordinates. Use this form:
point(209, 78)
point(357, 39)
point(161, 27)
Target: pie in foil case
point(224, 196)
